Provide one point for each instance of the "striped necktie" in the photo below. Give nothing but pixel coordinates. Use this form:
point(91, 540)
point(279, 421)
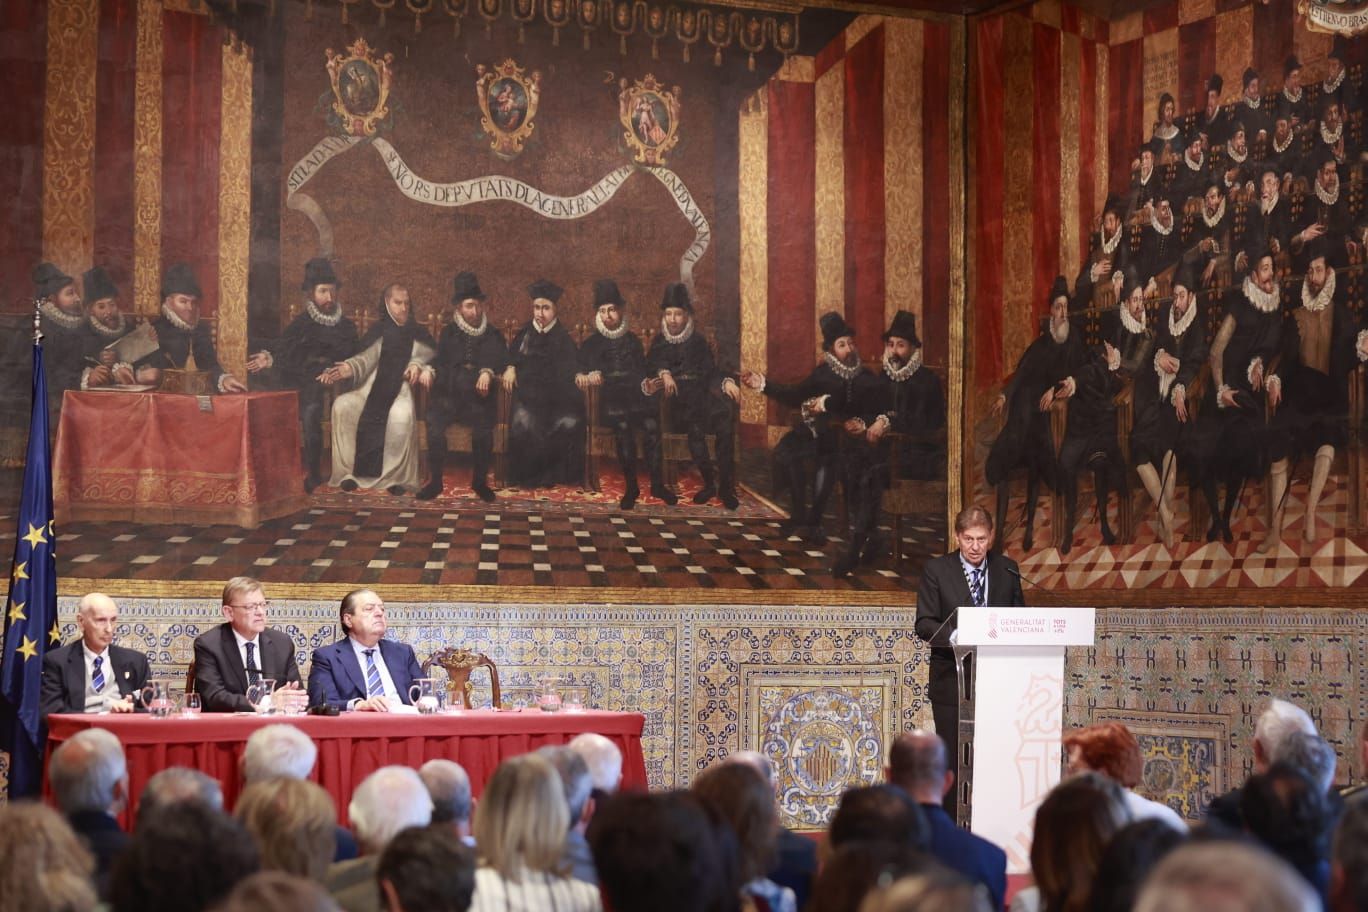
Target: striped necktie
point(97, 680)
point(976, 584)
point(374, 686)
point(253, 670)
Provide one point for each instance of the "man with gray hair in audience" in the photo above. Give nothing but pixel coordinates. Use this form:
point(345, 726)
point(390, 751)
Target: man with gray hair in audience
point(604, 760)
point(578, 788)
point(1225, 876)
point(1279, 722)
point(795, 864)
point(176, 785)
point(391, 799)
point(282, 751)
point(89, 778)
point(448, 785)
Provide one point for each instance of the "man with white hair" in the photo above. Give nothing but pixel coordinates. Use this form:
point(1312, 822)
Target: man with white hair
point(578, 789)
point(795, 857)
point(391, 799)
point(1222, 876)
point(179, 785)
point(282, 751)
point(92, 674)
point(89, 778)
point(604, 760)
point(1276, 725)
point(448, 786)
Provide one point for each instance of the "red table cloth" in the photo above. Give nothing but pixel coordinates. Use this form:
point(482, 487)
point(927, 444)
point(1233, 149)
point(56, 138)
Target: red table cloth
point(169, 458)
point(353, 745)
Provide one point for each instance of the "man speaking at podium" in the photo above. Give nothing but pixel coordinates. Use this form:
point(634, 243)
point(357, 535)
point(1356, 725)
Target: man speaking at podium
point(970, 575)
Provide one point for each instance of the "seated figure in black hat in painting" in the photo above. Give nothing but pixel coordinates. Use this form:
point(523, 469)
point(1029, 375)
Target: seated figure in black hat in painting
point(1293, 99)
point(1237, 170)
point(1337, 83)
point(104, 326)
point(1331, 137)
point(313, 342)
point(1251, 108)
point(1214, 121)
point(1045, 372)
point(181, 333)
point(1160, 243)
point(61, 322)
point(838, 387)
point(1109, 253)
point(470, 357)
point(546, 431)
point(613, 360)
point(705, 400)
point(1191, 174)
point(1209, 244)
point(1325, 211)
point(1166, 141)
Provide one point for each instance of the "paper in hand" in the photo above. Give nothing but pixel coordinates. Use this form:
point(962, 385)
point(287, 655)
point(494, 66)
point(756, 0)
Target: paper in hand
point(135, 346)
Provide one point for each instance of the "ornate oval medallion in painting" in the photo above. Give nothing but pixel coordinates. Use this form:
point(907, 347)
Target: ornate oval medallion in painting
point(508, 103)
point(360, 88)
point(650, 119)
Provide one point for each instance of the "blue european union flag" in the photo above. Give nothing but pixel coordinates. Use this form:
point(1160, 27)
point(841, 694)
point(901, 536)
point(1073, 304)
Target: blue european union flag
point(31, 613)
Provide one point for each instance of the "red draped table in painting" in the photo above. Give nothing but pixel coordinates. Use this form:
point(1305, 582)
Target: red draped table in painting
point(353, 745)
point(169, 458)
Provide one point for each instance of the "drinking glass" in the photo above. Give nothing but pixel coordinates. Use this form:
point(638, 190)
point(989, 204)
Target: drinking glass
point(572, 699)
point(157, 698)
point(259, 694)
point(192, 705)
point(548, 693)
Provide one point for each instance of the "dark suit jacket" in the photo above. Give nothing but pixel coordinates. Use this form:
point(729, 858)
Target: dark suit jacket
point(101, 834)
point(64, 676)
point(795, 866)
point(973, 856)
point(220, 676)
point(943, 589)
point(336, 677)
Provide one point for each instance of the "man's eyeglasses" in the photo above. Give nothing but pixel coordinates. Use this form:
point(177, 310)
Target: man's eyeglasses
point(263, 606)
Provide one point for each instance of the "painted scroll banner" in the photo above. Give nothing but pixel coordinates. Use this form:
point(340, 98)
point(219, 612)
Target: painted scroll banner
point(490, 189)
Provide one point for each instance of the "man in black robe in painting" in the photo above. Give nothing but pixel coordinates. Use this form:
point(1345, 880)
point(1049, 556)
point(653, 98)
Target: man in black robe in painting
point(838, 388)
point(1214, 121)
point(682, 367)
point(1160, 243)
point(1046, 370)
point(1192, 172)
point(314, 341)
point(1209, 244)
point(545, 434)
point(470, 357)
point(1109, 253)
point(181, 333)
point(1268, 224)
point(61, 320)
point(613, 360)
point(104, 325)
point(1325, 211)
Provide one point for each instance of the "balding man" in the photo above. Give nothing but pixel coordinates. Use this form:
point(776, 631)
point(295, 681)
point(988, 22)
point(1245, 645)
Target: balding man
point(916, 764)
point(448, 786)
point(363, 671)
point(89, 778)
point(91, 674)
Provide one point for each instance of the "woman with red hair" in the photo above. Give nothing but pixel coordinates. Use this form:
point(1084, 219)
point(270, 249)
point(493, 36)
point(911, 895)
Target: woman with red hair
point(1109, 748)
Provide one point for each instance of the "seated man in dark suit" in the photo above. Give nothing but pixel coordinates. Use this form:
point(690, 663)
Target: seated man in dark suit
point(364, 671)
point(89, 778)
point(916, 764)
point(92, 674)
point(241, 652)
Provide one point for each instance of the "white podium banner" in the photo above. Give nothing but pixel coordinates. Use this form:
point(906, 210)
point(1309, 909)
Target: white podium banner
point(1018, 715)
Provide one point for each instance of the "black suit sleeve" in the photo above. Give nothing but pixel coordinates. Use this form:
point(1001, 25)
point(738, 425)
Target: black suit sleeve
point(53, 697)
point(932, 599)
point(211, 680)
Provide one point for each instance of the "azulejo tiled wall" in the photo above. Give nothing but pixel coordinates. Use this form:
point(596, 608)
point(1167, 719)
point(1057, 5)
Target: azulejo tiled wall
point(820, 690)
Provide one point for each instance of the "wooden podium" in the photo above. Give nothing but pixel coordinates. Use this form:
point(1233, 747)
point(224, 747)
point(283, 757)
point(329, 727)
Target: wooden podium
point(1011, 717)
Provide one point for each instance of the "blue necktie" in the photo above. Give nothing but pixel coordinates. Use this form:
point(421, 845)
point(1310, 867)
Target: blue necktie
point(253, 672)
point(977, 585)
point(374, 686)
point(97, 680)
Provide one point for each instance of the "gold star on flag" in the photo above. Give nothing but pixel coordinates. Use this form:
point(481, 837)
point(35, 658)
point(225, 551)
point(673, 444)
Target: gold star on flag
point(55, 634)
point(19, 571)
point(35, 536)
point(28, 648)
point(17, 612)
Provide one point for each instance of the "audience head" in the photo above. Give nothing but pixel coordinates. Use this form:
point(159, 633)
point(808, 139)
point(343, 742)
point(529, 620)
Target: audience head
point(278, 752)
point(1072, 827)
point(603, 758)
point(276, 891)
point(390, 799)
point(574, 778)
point(879, 813)
point(1280, 721)
point(856, 868)
point(1108, 748)
point(934, 891)
point(426, 869)
point(97, 616)
point(88, 772)
point(744, 801)
point(295, 825)
point(658, 853)
point(43, 865)
point(1128, 859)
point(448, 786)
point(1289, 814)
point(1224, 876)
point(184, 857)
point(1349, 859)
point(1310, 754)
point(177, 785)
point(522, 818)
point(756, 761)
point(362, 616)
point(917, 765)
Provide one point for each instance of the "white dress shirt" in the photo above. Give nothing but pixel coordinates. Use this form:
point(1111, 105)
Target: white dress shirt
point(391, 692)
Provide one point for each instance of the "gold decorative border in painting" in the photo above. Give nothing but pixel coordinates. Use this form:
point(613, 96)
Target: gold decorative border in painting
point(69, 134)
point(147, 160)
point(829, 224)
point(235, 207)
point(1070, 60)
point(904, 50)
point(753, 192)
point(1018, 216)
point(954, 490)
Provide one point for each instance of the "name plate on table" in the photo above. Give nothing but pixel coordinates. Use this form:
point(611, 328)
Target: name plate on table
point(1024, 626)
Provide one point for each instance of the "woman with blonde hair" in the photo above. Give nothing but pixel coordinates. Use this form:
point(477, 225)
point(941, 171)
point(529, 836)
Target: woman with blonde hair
point(520, 827)
point(294, 822)
point(43, 865)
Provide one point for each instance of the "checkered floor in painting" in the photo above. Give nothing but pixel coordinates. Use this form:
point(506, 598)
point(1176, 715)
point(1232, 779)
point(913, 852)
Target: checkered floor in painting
point(1332, 559)
point(484, 545)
